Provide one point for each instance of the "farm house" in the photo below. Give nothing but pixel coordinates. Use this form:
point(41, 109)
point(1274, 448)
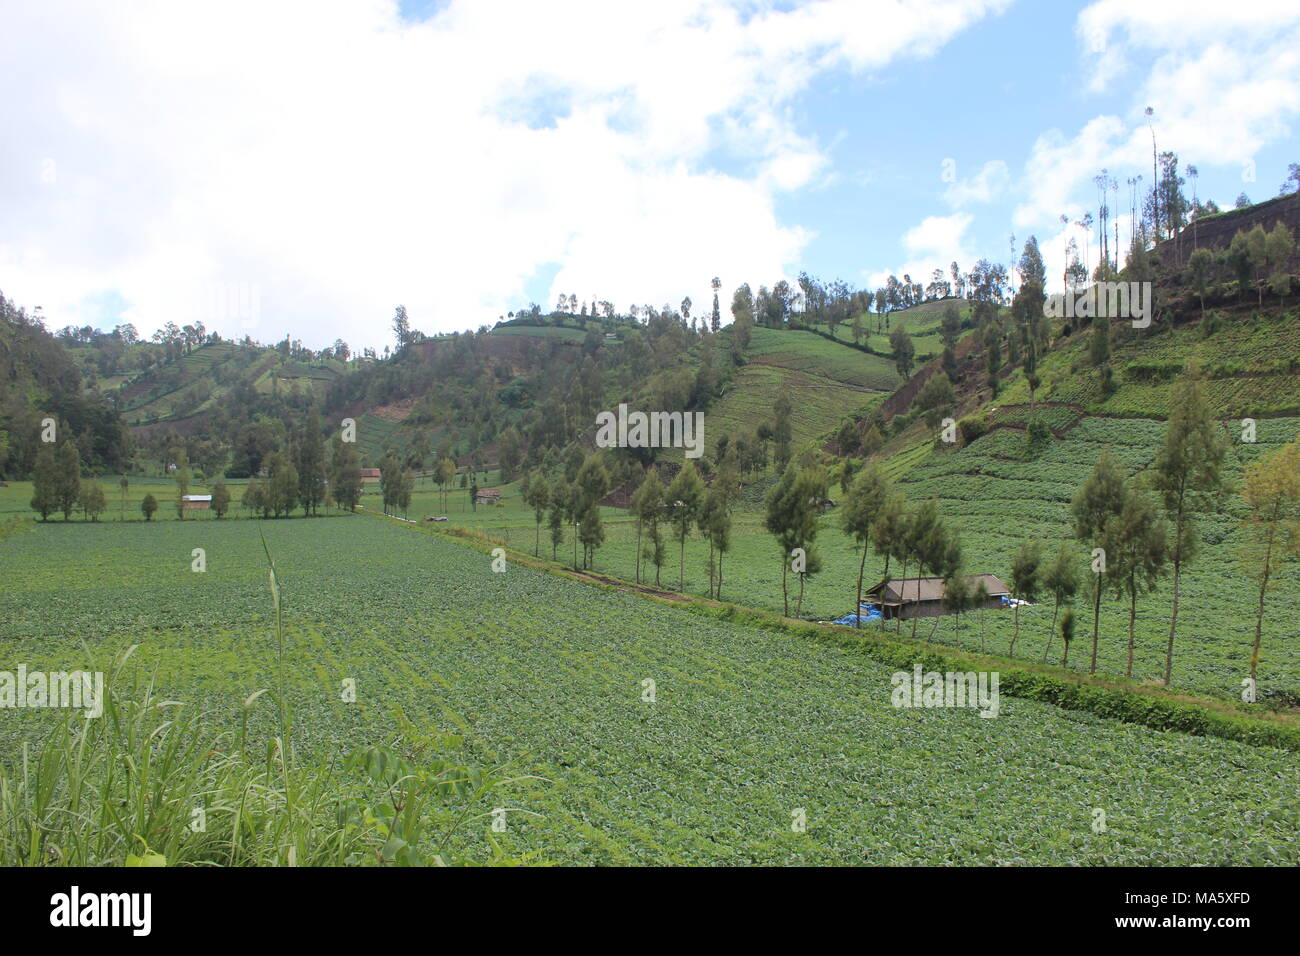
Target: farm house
point(487, 496)
point(370, 475)
point(196, 502)
point(923, 597)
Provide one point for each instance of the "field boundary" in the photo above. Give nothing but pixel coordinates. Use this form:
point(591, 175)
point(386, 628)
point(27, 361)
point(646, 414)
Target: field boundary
point(1117, 699)
point(15, 526)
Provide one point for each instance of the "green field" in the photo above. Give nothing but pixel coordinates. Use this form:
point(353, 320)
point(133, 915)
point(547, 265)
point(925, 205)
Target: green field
point(748, 725)
point(996, 499)
point(812, 354)
point(1252, 365)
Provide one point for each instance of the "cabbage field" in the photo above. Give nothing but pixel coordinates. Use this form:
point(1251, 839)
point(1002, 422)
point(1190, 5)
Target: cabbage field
point(664, 736)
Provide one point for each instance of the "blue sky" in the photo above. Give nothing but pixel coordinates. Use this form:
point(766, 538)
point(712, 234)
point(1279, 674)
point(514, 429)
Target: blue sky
point(298, 169)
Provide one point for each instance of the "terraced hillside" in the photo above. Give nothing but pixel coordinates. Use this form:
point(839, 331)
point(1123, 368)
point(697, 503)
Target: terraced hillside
point(826, 382)
point(1252, 363)
point(197, 382)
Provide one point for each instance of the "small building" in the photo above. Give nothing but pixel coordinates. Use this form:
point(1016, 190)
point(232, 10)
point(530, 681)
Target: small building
point(487, 496)
point(370, 475)
point(196, 502)
point(907, 598)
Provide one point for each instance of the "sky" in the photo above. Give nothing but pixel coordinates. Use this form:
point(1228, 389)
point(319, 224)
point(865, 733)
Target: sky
point(298, 167)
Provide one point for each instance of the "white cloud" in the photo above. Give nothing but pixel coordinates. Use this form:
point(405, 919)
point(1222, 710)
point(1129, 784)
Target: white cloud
point(1223, 81)
point(983, 187)
point(935, 243)
point(338, 160)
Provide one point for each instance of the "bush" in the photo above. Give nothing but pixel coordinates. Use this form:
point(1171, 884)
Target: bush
point(972, 428)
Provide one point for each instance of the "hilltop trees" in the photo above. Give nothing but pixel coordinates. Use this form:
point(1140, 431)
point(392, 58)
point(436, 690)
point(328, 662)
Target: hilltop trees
point(401, 327)
point(742, 320)
point(1272, 493)
point(1187, 476)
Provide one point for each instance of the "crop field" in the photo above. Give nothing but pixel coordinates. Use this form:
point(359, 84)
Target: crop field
point(996, 498)
point(746, 727)
point(920, 322)
point(562, 333)
point(15, 499)
point(805, 352)
point(819, 403)
point(1251, 363)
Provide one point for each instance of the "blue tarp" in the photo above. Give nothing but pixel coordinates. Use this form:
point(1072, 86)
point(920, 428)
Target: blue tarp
point(870, 613)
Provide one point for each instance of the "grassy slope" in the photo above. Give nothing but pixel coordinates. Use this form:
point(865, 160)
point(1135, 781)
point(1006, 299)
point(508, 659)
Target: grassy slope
point(748, 725)
point(827, 382)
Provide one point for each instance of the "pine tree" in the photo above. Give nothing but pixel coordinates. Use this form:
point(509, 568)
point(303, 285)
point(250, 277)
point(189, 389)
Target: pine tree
point(682, 503)
point(1188, 476)
point(1024, 581)
point(310, 464)
point(68, 481)
point(1061, 580)
point(345, 475)
point(1136, 544)
point(863, 505)
point(1100, 499)
point(45, 482)
point(1272, 493)
point(646, 503)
